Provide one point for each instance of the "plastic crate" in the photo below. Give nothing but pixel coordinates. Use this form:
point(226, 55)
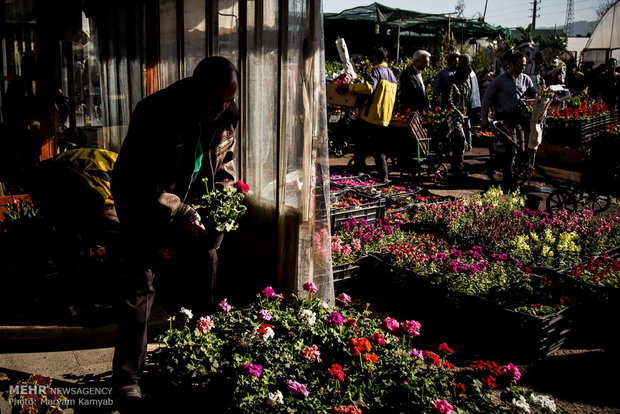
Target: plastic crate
point(369, 212)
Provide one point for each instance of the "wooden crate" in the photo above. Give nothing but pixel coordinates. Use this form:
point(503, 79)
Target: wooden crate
point(334, 98)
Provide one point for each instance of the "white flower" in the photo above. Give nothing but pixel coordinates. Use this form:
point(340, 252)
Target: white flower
point(270, 334)
point(521, 404)
point(543, 402)
point(324, 305)
point(187, 313)
point(275, 398)
point(307, 316)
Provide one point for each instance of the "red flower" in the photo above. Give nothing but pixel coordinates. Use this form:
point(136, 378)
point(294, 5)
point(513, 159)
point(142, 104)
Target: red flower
point(359, 345)
point(241, 187)
point(350, 323)
point(336, 372)
point(262, 329)
point(434, 358)
point(489, 382)
point(445, 348)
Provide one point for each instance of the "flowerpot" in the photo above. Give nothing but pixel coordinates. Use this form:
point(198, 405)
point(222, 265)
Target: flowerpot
point(345, 271)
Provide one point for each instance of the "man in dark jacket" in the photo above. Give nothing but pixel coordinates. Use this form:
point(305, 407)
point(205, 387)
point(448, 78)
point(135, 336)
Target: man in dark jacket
point(150, 182)
point(412, 89)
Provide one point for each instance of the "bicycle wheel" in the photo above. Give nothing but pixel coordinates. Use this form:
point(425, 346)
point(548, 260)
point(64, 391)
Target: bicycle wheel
point(595, 202)
point(561, 199)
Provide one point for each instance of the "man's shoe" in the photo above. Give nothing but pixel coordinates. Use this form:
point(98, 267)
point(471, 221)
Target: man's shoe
point(128, 392)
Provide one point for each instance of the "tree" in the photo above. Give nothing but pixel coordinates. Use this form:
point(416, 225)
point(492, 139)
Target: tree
point(460, 8)
point(602, 7)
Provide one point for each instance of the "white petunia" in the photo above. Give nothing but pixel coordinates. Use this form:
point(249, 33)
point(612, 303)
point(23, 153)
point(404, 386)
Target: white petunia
point(276, 398)
point(543, 402)
point(307, 316)
point(324, 305)
point(521, 404)
point(187, 313)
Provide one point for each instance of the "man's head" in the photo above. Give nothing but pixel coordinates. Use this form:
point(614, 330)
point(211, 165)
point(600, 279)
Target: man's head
point(462, 74)
point(464, 60)
point(453, 60)
point(378, 56)
point(517, 63)
point(421, 60)
point(217, 79)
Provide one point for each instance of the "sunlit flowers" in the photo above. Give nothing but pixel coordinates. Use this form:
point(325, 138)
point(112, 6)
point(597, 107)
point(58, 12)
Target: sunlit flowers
point(359, 345)
point(188, 313)
point(511, 372)
point(251, 369)
point(390, 325)
point(296, 388)
point(335, 319)
point(442, 407)
point(307, 316)
point(204, 324)
point(225, 306)
point(265, 332)
point(336, 372)
point(412, 327)
point(275, 398)
point(265, 314)
point(310, 287)
point(269, 293)
point(344, 298)
point(312, 353)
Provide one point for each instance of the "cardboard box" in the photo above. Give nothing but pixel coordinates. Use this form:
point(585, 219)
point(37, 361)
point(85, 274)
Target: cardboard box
point(347, 99)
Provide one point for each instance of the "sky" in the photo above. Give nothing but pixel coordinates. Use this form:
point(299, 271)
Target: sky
point(507, 13)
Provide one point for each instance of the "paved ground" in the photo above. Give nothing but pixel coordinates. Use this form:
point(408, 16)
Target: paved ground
point(79, 357)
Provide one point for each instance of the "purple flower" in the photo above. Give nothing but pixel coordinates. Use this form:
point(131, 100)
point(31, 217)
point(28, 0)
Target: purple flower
point(335, 319)
point(224, 305)
point(251, 369)
point(415, 353)
point(295, 388)
point(265, 314)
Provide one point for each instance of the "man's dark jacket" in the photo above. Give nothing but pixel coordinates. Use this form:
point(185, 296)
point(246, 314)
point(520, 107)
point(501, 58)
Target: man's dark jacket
point(411, 90)
point(156, 162)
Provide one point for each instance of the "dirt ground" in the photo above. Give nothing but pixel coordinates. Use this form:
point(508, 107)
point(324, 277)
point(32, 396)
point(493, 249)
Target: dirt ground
point(581, 376)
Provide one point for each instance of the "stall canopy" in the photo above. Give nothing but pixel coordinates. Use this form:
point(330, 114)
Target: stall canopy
point(606, 34)
point(422, 23)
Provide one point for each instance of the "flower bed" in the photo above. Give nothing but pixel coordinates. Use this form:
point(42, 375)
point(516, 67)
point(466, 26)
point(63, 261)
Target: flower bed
point(352, 205)
point(502, 225)
point(308, 357)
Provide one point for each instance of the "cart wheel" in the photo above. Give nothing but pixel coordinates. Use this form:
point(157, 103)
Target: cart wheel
point(437, 172)
point(561, 199)
point(595, 202)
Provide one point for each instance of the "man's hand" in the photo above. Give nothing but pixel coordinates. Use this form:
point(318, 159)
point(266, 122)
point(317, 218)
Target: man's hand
point(191, 222)
point(342, 88)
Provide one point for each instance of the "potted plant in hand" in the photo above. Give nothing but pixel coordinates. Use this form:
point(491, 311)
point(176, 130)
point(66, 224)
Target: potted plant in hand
point(221, 210)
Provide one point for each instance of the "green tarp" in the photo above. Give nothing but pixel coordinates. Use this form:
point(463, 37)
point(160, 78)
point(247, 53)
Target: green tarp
point(423, 23)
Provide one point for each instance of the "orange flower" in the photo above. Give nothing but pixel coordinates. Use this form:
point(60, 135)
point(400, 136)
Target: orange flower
point(350, 323)
point(359, 345)
point(371, 358)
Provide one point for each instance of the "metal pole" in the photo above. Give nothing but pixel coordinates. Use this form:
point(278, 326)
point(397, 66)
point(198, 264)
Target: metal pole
point(484, 15)
point(398, 45)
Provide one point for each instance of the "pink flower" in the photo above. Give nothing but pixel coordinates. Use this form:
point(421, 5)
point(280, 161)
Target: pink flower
point(268, 292)
point(204, 324)
point(442, 407)
point(377, 338)
point(252, 369)
point(415, 353)
point(335, 319)
point(312, 353)
point(412, 327)
point(511, 372)
point(390, 325)
point(295, 388)
point(343, 297)
point(310, 287)
point(224, 305)
point(265, 314)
